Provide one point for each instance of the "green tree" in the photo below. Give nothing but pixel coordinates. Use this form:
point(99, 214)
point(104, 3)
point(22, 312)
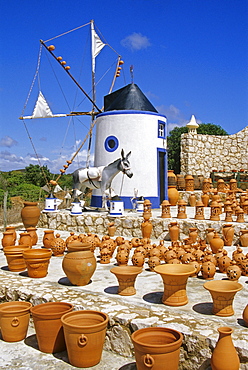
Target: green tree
point(174, 142)
point(36, 175)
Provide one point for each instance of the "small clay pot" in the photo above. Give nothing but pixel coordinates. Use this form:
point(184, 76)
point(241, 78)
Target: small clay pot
point(37, 261)
point(126, 276)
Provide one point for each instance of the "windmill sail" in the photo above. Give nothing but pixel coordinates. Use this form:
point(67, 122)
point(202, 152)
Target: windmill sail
point(42, 109)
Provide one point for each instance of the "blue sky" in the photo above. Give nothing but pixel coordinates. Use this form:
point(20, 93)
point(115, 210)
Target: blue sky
point(189, 57)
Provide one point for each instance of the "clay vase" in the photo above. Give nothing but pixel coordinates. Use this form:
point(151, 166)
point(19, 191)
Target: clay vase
point(14, 257)
point(244, 238)
point(30, 214)
point(48, 325)
point(174, 231)
point(154, 347)
point(79, 266)
point(223, 292)
point(25, 239)
point(175, 277)
point(47, 238)
point(14, 320)
point(228, 234)
point(172, 178)
point(8, 239)
point(13, 230)
point(192, 200)
point(37, 261)
point(216, 243)
point(245, 315)
point(111, 229)
point(33, 234)
point(205, 199)
point(193, 234)
point(224, 356)
point(173, 195)
point(146, 229)
point(126, 276)
point(84, 336)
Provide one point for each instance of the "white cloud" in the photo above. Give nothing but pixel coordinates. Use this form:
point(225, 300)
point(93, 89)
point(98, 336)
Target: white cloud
point(135, 41)
point(8, 141)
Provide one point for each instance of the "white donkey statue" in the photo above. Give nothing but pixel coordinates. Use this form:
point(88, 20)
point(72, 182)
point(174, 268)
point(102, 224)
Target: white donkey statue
point(101, 177)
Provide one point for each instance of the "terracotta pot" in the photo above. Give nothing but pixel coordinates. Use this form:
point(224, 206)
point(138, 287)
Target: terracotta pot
point(8, 239)
point(175, 279)
point(79, 266)
point(33, 234)
point(14, 257)
point(84, 336)
point(174, 231)
point(30, 214)
point(225, 356)
point(210, 234)
point(146, 228)
point(216, 243)
point(48, 325)
point(208, 269)
point(25, 238)
point(111, 229)
point(233, 271)
point(172, 178)
point(245, 315)
point(173, 195)
point(126, 276)
point(37, 261)
point(205, 199)
point(155, 347)
point(244, 238)
point(58, 246)
point(14, 320)
point(13, 230)
point(223, 292)
point(189, 183)
point(193, 234)
point(192, 200)
point(138, 259)
point(48, 238)
point(228, 234)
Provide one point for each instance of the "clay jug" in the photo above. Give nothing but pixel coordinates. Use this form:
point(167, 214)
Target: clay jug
point(210, 234)
point(13, 230)
point(79, 266)
point(228, 234)
point(48, 325)
point(33, 234)
point(225, 356)
point(30, 214)
point(25, 239)
point(174, 231)
point(216, 243)
point(205, 199)
point(193, 234)
point(14, 320)
point(8, 239)
point(173, 195)
point(146, 228)
point(154, 347)
point(84, 336)
point(47, 238)
point(244, 238)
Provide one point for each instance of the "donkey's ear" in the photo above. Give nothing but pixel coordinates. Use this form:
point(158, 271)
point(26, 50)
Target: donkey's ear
point(122, 154)
point(128, 154)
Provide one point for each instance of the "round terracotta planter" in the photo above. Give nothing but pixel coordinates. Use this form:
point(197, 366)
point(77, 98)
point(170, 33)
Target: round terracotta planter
point(30, 214)
point(14, 320)
point(84, 336)
point(225, 356)
point(157, 348)
point(14, 257)
point(37, 261)
point(175, 277)
point(126, 276)
point(79, 266)
point(48, 325)
point(223, 292)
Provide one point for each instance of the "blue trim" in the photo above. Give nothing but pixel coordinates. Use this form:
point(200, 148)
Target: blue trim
point(96, 201)
point(161, 123)
point(165, 190)
point(108, 147)
point(116, 112)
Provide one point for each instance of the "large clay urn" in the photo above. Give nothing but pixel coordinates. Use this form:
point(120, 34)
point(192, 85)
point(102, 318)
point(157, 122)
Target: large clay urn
point(84, 336)
point(228, 234)
point(126, 276)
point(244, 238)
point(175, 277)
point(79, 266)
point(173, 195)
point(156, 346)
point(223, 292)
point(48, 325)
point(224, 356)
point(30, 214)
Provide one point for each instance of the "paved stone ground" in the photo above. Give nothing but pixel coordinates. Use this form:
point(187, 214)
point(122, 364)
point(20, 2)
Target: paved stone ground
point(194, 320)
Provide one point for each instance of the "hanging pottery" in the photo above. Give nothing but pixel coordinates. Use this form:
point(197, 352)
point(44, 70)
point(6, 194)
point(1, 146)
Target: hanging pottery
point(225, 356)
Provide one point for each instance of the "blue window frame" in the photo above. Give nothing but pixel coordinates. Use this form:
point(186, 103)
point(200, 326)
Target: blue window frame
point(161, 129)
point(111, 143)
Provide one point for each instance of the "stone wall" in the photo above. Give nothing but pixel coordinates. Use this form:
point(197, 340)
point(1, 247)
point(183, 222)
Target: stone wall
point(200, 154)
